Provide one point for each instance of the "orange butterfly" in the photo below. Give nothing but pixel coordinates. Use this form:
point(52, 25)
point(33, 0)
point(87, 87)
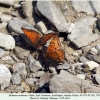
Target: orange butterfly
point(54, 51)
point(36, 38)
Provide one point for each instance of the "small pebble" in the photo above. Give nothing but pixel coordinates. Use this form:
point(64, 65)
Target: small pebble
point(16, 79)
point(17, 6)
point(91, 65)
point(81, 76)
point(41, 26)
point(98, 47)
point(75, 54)
point(64, 7)
point(94, 51)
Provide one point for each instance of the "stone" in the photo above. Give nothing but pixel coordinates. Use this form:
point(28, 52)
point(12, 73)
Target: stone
point(44, 79)
point(16, 79)
point(49, 31)
point(70, 58)
point(79, 68)
point(90, 7)
point(6, 17)
point(6, 41)
point(0, 14)
point(49, 10)
point(71, 26)
point(15, 14)
point(53, 70)
point(98, 47)
point(63, 66)
point(79, 52)
point(15, 58)
point(69, 48)
point(21, 53)
point(20, 69)
point(5, 9)
point(2, 52)
point(18, 89)
point(7, 90)
point(78, 32)
point(91, 65)
point(96, 58)
point(64, 7)
point(5, 76)
point(37, 66)
point(8, 60)
point(19, 24)
point(41, 26)
point(17, 6)
point(85, 21)
point(94, 51)
point(81, 76)
point(31, 60)
point(3, 25)
point(30, 81)
point(8, 3)
point(34, 65)
point(86, 48)
point(93, 57)
point(27, 8)
point(82, 59)
point(39, 73)
point(97, 78)
point(84, 40)
point(73, 66)
point(25, 86)
point(90, 56)
point(86, 70)
point(96, 31)
point(98, 70)
point(72, 84)
point(75, 54)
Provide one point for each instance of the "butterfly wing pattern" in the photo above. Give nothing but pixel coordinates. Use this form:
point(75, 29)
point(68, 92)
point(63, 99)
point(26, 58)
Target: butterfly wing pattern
point(54, 51)
point(32, 35)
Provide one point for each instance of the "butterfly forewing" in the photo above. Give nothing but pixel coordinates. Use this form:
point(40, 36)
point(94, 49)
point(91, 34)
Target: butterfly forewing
point(32, 35)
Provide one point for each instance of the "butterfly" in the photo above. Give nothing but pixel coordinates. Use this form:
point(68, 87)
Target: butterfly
point(54, 51)
point(36, 38)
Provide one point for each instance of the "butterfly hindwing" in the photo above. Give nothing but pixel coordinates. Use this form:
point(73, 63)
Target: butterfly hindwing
point(56, 56)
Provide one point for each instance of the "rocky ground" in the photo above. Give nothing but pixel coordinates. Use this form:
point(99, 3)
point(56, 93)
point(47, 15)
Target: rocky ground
point(78, 24)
